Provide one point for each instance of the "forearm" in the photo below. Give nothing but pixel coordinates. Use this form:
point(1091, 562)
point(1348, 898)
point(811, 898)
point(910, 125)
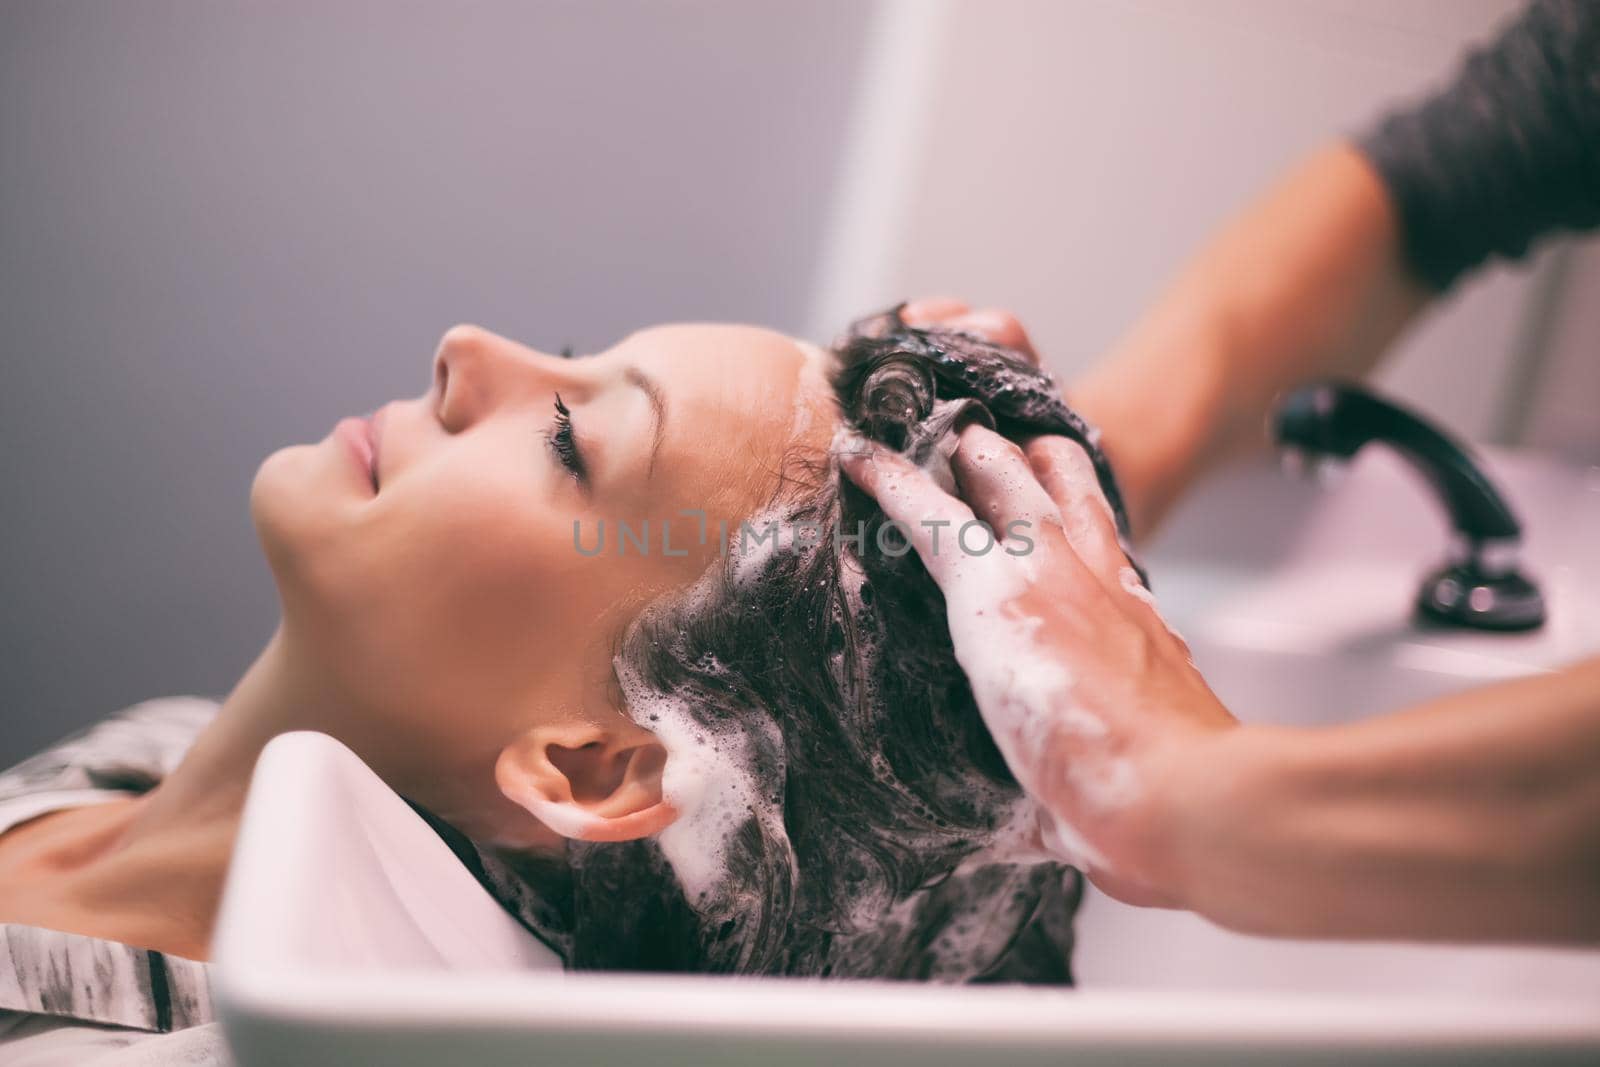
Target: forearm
point(1307, 283)
point(1474, 817)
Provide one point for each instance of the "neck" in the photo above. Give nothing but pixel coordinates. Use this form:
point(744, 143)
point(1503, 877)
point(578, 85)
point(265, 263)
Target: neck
point(153, 875)
point(208, 787)
point(158, 882)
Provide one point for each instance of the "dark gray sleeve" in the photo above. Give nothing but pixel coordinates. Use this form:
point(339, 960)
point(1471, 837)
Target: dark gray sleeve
point(1508, 152)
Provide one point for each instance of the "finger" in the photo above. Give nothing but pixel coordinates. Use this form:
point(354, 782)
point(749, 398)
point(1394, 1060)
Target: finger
point(1067, 473)
point(928, 516)
point(1068, 476)
point(932, 311)
point(999, 485)
point(997, 326)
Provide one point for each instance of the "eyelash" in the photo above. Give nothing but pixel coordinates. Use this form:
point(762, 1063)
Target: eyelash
point(563, 444)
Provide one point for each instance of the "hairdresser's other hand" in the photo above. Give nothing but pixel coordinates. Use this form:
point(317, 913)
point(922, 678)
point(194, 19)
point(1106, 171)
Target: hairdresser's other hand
point(995, 325)
point(1094, 703)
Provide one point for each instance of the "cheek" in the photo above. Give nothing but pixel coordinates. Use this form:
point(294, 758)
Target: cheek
point(456, 582)
point(474, 563)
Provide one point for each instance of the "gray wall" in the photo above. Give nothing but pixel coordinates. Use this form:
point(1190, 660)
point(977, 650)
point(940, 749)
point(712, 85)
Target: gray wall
point(1119, 134)
point(224, 225)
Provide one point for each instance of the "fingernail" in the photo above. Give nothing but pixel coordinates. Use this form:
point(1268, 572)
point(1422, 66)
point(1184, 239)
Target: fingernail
point(851, 448)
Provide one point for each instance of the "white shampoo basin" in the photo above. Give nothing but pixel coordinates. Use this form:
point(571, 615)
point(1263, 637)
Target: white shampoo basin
point(350, 934)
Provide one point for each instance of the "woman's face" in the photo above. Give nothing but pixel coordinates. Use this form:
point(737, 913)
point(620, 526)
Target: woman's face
point(441, 599)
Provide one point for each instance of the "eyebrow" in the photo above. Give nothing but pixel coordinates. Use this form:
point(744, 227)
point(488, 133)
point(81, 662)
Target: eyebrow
point(658, 408)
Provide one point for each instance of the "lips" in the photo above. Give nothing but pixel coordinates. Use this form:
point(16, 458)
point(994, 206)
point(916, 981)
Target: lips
point(362, 443)
point(375, 434)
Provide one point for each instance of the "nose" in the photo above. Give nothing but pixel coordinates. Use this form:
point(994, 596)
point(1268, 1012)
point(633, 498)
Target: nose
point(476, 372)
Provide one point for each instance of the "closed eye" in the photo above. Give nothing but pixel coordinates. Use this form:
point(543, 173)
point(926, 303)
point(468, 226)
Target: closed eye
point(564, 446)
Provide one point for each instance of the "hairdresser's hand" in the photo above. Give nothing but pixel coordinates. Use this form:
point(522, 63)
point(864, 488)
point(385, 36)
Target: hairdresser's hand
point(1094, 703)
point(995, 325)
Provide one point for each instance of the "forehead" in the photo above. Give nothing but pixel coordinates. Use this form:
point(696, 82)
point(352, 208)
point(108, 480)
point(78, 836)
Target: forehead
point(741, 401)
point(758, 359)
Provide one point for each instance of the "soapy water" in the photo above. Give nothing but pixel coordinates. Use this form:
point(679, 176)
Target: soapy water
point(975, 877)
point(711, 777)
point(1025, 693)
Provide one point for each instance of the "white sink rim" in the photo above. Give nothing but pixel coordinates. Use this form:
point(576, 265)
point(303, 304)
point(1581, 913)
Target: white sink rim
point(264, 989)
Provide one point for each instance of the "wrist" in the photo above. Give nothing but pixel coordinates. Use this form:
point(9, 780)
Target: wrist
point(1237, 808)
point(1207, 793)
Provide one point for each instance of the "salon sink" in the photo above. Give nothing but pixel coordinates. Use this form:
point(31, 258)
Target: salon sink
point(1296, 601)
point(350, 935)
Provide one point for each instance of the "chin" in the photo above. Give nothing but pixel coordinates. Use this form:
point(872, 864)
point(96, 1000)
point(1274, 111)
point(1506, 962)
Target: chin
point(307, 524)
point(279, 494)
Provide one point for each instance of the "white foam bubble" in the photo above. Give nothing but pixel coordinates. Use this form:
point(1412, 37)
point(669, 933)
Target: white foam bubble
point(708, 779)
point(568, 820)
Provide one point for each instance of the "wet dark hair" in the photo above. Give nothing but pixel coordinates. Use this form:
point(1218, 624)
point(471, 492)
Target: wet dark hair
point(869, 847)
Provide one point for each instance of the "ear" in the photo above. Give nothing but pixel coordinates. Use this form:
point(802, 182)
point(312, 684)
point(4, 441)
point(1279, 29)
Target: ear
point(587, 781)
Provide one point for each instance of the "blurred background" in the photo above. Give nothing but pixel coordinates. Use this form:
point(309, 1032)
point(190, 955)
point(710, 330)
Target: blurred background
point(223, 226)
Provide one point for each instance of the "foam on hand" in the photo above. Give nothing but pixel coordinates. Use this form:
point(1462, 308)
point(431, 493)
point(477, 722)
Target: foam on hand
point(1049, 738)
point(1027, 701)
